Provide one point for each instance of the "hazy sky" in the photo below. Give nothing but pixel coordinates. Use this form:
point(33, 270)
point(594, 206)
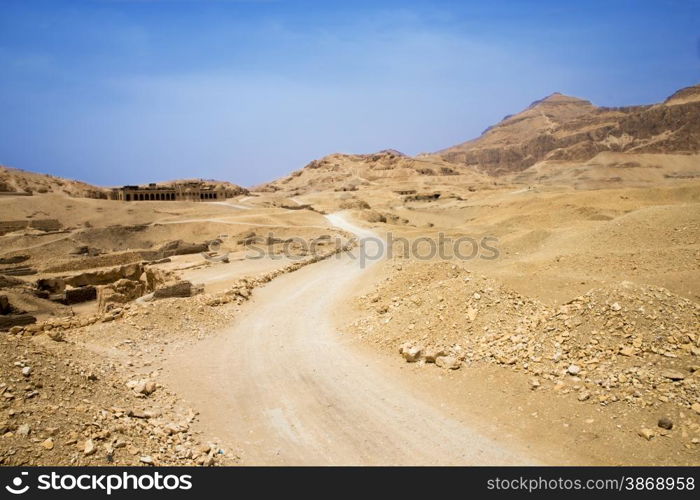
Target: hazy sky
point(131, 91)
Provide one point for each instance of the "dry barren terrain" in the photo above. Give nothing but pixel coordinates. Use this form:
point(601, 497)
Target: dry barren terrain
point(531, 296)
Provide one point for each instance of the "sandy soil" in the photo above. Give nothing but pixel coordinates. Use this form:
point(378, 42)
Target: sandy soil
point(287, 389)
point(578, 344)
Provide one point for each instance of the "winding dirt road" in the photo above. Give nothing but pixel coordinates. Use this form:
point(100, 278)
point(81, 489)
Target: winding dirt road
point(283, 386)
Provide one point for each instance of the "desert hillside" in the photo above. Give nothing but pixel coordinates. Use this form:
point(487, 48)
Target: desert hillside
point(16, 181)
point(387, 168)
point(558, 140)
point(563, 128)
point(208, 183)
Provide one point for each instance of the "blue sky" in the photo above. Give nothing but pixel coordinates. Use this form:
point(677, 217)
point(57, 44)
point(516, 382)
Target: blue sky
point(130, 91)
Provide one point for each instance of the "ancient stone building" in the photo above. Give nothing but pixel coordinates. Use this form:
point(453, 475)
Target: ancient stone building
point(191, 191)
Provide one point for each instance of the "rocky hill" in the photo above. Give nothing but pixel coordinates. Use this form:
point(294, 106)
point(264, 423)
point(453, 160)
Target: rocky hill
point(563, 128)
point(16, 181)
point(211, 183)
point(556, 140)
point(348, 172)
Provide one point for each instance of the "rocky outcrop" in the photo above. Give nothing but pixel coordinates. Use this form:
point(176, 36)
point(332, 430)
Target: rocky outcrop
point(16, 182)
point(351, 172)
point(566, 128)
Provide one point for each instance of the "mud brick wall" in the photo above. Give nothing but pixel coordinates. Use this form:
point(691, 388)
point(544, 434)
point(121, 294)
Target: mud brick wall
point(8, 226)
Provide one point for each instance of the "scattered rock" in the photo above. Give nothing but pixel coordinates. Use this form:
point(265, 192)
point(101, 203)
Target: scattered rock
point(149, 388)
point(673, 374)
point(646, 433)
point(410, 353)
point(448, 362)
point(89, 447)
point(665, 423)
point(56, 335)
point(432, 353)
point(573, 370)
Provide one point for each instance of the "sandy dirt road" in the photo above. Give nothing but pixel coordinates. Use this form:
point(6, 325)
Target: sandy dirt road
point(284, 387)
